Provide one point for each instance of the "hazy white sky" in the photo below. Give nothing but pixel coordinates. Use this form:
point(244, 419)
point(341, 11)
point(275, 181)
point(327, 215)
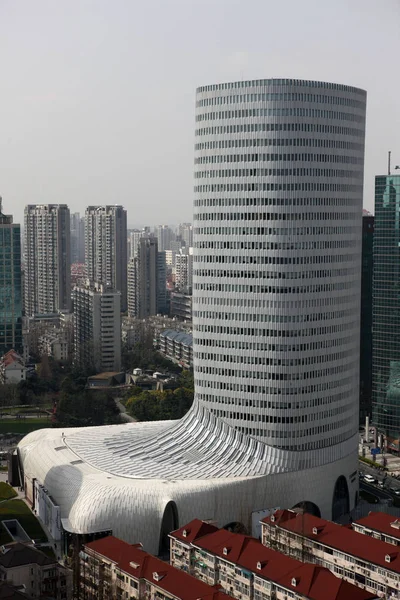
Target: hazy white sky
point(97, 96)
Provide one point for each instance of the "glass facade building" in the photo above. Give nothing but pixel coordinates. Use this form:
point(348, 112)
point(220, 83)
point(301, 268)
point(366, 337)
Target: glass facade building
point(366, 317)
point(386, 307)
point(10, 285)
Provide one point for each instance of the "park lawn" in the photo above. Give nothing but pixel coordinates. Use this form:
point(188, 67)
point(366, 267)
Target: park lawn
point(23, 425)
point(17, 509)
point(6, 491)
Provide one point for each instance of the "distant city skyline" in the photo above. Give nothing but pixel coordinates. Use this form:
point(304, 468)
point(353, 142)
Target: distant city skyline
point(98, 98)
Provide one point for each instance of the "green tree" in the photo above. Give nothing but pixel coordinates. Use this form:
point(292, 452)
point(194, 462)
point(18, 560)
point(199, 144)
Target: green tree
point(86, 408)
point(158, 405)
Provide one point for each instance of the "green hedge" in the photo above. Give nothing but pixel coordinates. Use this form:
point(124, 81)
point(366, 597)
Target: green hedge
point(368, 461)
point(23, 425)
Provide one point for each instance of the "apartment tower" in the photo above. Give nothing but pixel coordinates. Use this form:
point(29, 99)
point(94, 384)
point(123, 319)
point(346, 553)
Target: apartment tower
point(106, 247)
point(147, 280)
point(47, 259)
point(97, 327)
point(77, 238)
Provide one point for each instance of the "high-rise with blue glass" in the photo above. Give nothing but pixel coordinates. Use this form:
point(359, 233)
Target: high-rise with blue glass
point(366, 316)
point(10, 284)
point(386, 308)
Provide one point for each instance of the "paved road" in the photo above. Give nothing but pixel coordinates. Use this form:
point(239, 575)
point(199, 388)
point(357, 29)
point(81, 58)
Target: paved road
point(372, 489)
point(389, 482)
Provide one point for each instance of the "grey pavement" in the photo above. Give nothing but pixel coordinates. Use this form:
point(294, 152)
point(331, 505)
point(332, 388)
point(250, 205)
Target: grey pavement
point(124, 415)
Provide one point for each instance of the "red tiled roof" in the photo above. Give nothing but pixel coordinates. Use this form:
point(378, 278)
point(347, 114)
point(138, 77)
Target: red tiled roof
point(318, 583)
point(216, 542)
point(178, 583)
point(194, 530)
point(281, 515)
point(172, 580)
point(381, 522)
point(10, 357)
point(274, 565)
point(121, 553)
point(341, 538)
point(314, 582)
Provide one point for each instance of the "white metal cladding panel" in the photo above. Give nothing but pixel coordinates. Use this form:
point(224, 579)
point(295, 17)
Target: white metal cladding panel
point(92, 499)
point(276, 271)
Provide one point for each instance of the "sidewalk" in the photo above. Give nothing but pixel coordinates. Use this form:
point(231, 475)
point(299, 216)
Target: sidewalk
point(392, 461)
point(124, 415)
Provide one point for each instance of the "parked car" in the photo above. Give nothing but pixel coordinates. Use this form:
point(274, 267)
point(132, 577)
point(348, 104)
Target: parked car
point(369, 478)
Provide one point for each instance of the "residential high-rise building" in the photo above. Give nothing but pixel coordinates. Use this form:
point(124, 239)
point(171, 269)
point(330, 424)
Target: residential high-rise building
point(366, 317)
point(185, 233)
point(10, 284)
point(184, 270)
point(165, 236)
point(77, 238)
point(135, 236)
point(133, 298)
point(386, 308)
point(106, 247)
point(147, 280)
point(161, 283)
point(97, 327)
point(276, 330)
point(47, 259)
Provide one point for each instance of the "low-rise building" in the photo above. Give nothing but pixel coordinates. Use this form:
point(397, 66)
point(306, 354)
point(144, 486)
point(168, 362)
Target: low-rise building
point(107, 380)
point(112, 568)
point(48, 326)
point(55, 344)
point(148, 330)
point(369, 563)
point(247, 570)
point(177, 346)
point(182, 549)
point(39, 575)
point(12, 368)
point(380, 526)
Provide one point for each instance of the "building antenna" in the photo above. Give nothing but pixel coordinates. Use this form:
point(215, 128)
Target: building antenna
point(389, 155)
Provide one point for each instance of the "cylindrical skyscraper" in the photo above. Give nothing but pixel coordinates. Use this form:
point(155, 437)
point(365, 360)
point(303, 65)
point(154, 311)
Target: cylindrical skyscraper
point(276, 333)
point(277, 251)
